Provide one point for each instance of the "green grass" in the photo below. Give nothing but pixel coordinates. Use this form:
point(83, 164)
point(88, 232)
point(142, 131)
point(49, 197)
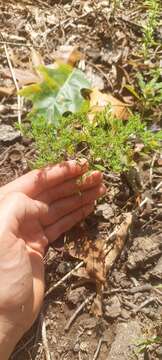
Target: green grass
point(107, 143)
point(153, 10)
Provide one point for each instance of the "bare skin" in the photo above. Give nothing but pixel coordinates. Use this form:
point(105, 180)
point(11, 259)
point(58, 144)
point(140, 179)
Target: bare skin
point(34, 211)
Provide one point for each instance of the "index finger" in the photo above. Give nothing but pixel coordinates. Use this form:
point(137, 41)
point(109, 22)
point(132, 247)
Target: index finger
point(36, 181)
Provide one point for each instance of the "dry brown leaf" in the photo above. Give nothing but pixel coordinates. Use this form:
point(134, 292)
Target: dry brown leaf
point(91, 251)
point(97, 308)
point(7, 91)
point(113, 250)
point(68, 54)
point(37, 61)
point(24, 77)
point(98, 256)
point(159, 162)
point(99, 100)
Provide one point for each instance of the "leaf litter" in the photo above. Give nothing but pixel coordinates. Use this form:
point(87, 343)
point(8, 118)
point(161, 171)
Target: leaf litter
point(108, 36)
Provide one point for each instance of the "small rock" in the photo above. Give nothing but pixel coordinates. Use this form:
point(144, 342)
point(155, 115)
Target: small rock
point(127, 335)
point(124, 314)
point(76, 296)
point(157, 271)
point(76, 348)
point(89, 332)
point(113, 309)
point(8, 133)
point(159, 352)
point(105, 210)
point(90, 323)
point(143, 251)
point(63, 268)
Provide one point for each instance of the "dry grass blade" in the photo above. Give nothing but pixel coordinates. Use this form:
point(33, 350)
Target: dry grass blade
point(44, 339)
point(15, 82)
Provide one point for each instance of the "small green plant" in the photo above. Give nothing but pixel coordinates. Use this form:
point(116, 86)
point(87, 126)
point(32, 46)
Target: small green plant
point(150, 26)
point(150, 90)
point(144, 345)
point(106, 143)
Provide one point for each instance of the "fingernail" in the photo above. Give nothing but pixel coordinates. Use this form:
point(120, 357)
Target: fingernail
point(102, 189)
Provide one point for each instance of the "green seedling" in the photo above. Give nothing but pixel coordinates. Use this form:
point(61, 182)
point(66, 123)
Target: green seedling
point(108, 142)
point(149, 94)
point(150, 26)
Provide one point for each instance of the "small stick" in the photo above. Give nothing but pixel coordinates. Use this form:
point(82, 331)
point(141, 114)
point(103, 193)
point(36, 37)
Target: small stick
point(159, 301)
point(143, 304)
point(134, 290)
point(44, 338)
point(15, 83)
point(158, 186)
point(151, 167)
point(144, 202)
point(95, 357)
point(67, 276)
point(78, 310)
point(16, 44)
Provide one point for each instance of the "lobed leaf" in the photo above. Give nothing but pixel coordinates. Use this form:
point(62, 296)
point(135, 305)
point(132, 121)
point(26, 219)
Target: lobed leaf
point(58, 93)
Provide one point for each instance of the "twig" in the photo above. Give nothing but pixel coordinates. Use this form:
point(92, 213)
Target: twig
point(143, 304)
point(144, 202)
point(157, 291)
point(152, 166)
point(16, 43)
point(73, 317)
point(67, 276)
point(44, 338)
point(95, 357)
point(159, 301)
point(15, 83)
point(5, 155)
point(134, 290)
point(158, 186)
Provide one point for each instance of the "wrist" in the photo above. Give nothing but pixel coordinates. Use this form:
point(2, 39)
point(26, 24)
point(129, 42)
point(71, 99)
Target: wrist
point(9, 337)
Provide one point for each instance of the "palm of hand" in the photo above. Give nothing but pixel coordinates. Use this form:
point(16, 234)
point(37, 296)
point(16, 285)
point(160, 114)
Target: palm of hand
point(21, 255)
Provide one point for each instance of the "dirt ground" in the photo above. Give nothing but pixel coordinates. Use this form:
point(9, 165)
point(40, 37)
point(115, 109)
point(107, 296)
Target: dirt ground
point(110, 39)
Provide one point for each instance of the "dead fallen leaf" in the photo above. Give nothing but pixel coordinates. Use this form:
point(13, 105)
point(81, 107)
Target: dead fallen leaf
point(24, 77)
point(91, 251)
point(113, 249)
point(68, 54)
point(99, 100)
point(98, 256)
point(97, 307)
point(7, 91)
point(37, 61)
point(159, 161)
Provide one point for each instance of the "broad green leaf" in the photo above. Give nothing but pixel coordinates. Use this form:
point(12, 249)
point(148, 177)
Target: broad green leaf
point(58, 93)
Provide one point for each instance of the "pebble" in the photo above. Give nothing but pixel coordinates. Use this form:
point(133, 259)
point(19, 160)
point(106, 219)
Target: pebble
point(8, 133)
point(113, 309)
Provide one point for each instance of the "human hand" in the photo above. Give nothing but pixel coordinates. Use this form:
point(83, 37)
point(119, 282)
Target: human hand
point(28, 225)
